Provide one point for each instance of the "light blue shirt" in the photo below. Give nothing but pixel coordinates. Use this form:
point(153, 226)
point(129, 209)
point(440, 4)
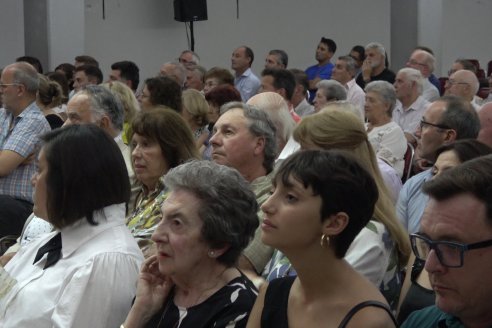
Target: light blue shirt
point(247, 84)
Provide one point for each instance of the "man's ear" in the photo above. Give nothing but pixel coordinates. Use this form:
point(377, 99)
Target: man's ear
point(260, 146)
point(105, 122)
point(450, 136)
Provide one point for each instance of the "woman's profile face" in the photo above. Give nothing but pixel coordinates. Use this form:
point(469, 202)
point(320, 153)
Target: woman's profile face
point(181, 249)
point(148, 160)
point(40, 191)
point(291, 216)
point(374, 105)
point(144, 99)
point(445, 161)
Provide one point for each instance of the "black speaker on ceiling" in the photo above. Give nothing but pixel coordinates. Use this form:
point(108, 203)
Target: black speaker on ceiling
point(190, 10)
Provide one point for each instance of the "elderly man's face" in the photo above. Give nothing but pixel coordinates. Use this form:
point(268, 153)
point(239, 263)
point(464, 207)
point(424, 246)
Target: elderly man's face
point(457, 86)
point(233, 144)
point(463, 292)
point(418, 61)
point(9, 90)
point(79, 110)
point(403, 87)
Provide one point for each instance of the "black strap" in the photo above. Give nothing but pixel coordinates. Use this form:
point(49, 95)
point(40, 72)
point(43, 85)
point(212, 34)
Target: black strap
point(53, 248)
point(362, 305)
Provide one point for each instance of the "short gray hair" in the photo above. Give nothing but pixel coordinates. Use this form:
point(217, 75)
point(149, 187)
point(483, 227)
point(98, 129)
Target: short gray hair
point(228, 206)
point(281, 55)
point(194, 55)
point(103, 102)
point(414, 75)
point(332, 89)
point(350, 64)
point(378, 46)
point(25, 74)
point(260, 125)
point(386, 91)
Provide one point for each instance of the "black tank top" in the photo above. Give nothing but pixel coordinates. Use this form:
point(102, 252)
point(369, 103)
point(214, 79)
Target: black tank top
point(274, 313)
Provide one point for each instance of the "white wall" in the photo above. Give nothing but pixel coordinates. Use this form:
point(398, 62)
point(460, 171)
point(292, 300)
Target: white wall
point(145, 31)
point(12, 31)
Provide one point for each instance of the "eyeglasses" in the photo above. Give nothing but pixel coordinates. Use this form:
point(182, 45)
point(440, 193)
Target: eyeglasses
point(439, 126)
point(4, 86)
point(414, 62)
point(453, 82)
point(450, 254)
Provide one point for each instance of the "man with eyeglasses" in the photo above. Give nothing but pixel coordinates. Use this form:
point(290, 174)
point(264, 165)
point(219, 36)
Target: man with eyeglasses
point(454, 240)
point(424, 62)
point(444, 121)
point(21, 124)
point(464, 84)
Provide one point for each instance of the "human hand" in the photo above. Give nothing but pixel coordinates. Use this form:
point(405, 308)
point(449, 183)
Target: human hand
point(29, 159)
point(153, 288)
point(366, 70)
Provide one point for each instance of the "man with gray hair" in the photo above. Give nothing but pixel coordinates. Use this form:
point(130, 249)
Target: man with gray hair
point(175, 71)
point(194, 77)
point(189, 59)
point(344, 72)
point(276, 59)
point(374, 66)
point(97, 105)
point(424, 62)
point(21, 124)
point(328, 91)
point(244, 138)
point(411, 104)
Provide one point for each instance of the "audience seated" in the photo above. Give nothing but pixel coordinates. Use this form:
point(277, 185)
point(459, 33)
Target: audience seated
point(322, 70)
point(328, 91)
point(161, 90)
point(217, 76)
point(456, 226)
point(300, 95)
point(320, 202)
point(381, 249)
point(161, 140)
point(444, 121)
point(276, 59)
point(416, 291)
point(386, 137)
point(130, 105)
point(424, 62)
point(244, 138)
point(464, 84)
point(411, 104)
point(175, 71)
point(344, 72)
point(126, 72)
point(192, 281)
point(50, 96)
point(21, 124)
point(83, 274)
point(245, 81)
point(374, 66)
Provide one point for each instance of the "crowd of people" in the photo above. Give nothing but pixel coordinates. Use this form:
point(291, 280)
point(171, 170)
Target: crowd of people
point(342, 195)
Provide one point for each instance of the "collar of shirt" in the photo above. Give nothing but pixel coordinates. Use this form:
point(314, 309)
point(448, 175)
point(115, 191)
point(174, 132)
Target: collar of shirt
point(350, 84)
point(78, 233)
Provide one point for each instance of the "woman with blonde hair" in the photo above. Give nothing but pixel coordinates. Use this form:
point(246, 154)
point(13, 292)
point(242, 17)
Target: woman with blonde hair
point(195, 113)
point(382, 248)
point(129, 102)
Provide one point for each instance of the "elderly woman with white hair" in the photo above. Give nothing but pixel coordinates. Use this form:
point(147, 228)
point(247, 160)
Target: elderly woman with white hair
point(328, 91)
point(386, 137)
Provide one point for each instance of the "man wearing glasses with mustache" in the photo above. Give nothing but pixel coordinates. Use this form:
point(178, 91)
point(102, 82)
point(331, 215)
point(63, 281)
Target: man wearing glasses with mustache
point(445, 120)
point(454, 240)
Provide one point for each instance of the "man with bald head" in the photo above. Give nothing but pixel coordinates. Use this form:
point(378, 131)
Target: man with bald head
point(464, 84)
point(424, 62)
point(485, 116)
point(21, 124)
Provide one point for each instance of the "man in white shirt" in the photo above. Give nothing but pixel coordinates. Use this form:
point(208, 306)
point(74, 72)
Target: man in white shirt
point(411, 105)
point(344, 72)
point(424, 62)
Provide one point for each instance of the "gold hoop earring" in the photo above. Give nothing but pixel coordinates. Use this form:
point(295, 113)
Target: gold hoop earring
point(325, 241)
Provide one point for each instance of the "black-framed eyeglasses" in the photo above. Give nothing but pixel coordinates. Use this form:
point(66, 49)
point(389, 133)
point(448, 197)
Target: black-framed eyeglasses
point(4, 86)
point(453, 82)
point(449, 253)
point(424, 123)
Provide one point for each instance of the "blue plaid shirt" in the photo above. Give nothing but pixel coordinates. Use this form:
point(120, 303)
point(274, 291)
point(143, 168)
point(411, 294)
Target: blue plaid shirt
point(23, 139)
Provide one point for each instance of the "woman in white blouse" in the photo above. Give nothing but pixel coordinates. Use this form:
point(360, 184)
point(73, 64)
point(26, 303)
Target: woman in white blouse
point(385, 136)
point(83, 274)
